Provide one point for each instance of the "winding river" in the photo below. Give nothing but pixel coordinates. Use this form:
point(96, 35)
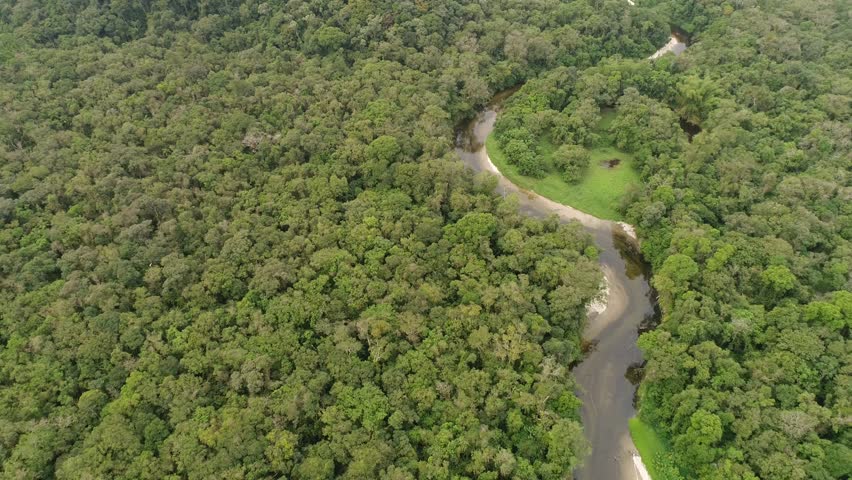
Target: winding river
point(604, 374)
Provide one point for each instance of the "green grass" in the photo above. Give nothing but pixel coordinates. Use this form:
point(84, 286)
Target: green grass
point(600, 191)
point(607, 117)
point(650, 445)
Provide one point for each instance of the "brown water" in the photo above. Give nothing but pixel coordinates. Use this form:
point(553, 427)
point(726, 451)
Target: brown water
point(606, 392)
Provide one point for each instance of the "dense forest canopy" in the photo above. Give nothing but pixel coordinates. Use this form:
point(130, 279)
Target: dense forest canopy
point(748, 225)
point(749, 228)
point(236, 242)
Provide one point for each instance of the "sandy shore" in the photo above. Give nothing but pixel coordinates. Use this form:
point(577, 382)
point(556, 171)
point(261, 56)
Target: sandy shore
point(674, 46)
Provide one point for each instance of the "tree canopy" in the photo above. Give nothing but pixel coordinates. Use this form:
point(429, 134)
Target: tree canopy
point(236, 242)
point(743, 146)
point(747, 227)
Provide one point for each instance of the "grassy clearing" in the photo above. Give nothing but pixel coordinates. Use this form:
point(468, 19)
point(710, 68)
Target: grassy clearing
point(600, 191)
point(655, 452)
point(649, 444)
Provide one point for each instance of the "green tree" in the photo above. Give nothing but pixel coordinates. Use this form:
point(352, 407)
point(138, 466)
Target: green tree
point(695, 99)
point(572, 161)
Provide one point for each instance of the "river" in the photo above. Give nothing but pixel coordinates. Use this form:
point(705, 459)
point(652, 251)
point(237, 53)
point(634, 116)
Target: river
point(605, 389)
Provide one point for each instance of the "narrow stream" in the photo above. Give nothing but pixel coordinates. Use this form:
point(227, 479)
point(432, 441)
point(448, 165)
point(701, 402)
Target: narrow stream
point(606, 392)
point(605, 374)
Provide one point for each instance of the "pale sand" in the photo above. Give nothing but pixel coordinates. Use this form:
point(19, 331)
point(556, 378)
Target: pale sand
point(599, 303)
point(629, 230)
point(674, 46)
point(641, 471)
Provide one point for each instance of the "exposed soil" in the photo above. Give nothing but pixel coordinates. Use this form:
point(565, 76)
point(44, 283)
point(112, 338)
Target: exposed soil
point(611, 163)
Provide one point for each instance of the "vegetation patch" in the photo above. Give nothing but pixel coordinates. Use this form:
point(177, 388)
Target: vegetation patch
point(654, 450)
point(235, 242)
point(610, 173)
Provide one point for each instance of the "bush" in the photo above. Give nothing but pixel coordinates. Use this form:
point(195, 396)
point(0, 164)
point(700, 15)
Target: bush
point(572, 162)
point(520, 134)
point(520, 154)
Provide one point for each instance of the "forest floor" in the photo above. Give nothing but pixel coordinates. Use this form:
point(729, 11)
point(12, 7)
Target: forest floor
point(650, 445)
point(602, 187)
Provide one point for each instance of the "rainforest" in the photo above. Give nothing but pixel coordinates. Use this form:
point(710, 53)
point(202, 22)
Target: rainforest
point(438, 239)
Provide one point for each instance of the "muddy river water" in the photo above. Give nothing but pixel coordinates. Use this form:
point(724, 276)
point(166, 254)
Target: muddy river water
point(604, 374)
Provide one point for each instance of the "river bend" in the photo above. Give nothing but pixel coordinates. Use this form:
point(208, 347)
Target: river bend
point(604, 374)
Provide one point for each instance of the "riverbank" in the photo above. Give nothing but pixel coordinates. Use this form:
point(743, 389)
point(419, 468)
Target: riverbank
point(606, 393)
point(609, 175)
point(649, 445)
point(675, 46)
point(613, 328)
